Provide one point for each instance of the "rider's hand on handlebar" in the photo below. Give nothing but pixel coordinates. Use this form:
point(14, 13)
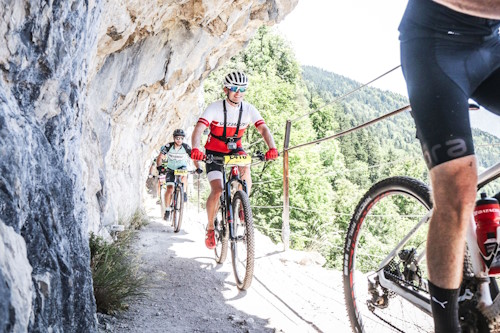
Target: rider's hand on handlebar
point(150, 176)
point(197, 155)
point(272, 154)
point(199, 171)
point(242, 153)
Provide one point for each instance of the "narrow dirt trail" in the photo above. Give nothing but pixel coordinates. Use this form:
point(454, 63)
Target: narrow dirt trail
point(190, 292)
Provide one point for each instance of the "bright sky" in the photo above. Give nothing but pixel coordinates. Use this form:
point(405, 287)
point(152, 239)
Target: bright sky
point(354, 38)
point(357, 39)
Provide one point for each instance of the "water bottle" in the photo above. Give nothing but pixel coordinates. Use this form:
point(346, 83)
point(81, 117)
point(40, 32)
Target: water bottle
point(487, 217)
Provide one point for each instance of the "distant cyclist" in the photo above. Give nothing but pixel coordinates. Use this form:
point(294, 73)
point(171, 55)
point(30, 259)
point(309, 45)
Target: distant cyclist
point(227, 120)
point(150, 183)
point(450, 52)
point(174, 156)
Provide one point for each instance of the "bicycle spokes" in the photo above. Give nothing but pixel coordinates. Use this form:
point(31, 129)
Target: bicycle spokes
point(242, 241)
point(384, 277)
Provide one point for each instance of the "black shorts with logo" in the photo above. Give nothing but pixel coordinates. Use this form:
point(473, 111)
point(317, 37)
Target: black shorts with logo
point(170, 176)
point(447, 58)
point(214, 166)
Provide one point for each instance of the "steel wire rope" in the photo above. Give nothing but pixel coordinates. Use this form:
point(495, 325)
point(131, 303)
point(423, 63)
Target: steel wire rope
point(268, 181)
point(343, 172)
point(488, 145)
point(346, 94)
point(299, 235)
point(253, 143)
point(352, 129)
point(339, 214)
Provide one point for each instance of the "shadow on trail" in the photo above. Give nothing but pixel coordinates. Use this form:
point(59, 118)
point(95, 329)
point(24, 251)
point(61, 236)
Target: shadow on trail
point(185, 292)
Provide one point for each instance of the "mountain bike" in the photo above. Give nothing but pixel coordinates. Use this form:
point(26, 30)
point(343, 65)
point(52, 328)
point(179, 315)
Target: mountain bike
point(384, 269)
point(177, 200)
point(233, 222)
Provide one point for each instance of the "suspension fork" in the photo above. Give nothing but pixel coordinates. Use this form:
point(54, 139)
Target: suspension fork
point(229, 208)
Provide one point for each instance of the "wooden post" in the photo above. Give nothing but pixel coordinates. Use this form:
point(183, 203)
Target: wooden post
point(285, 227)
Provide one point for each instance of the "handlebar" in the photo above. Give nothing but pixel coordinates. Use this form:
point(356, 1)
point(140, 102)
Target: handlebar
point(210, 158)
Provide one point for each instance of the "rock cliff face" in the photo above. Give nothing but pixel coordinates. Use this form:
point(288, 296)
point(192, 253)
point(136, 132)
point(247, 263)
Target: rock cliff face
point(88, 89)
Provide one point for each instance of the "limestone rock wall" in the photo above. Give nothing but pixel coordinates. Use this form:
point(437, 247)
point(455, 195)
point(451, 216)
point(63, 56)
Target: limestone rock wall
point(146, 80)
point(88, 89)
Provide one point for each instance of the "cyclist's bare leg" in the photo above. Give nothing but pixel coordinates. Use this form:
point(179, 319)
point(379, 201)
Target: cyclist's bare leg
point(185, 183)
point(454, 192)
point(168, 195)
point(246, 176)
point(213, 201)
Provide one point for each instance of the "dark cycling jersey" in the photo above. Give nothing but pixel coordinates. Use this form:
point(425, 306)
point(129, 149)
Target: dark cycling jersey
point(447, 58)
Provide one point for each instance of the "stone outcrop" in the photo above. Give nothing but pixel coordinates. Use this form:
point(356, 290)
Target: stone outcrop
point(88, 90)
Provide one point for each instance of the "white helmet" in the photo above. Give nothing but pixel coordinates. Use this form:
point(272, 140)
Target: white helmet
point(236, 78)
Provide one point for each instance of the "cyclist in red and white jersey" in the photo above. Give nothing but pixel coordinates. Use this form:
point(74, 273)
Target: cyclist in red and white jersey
point(227, 120)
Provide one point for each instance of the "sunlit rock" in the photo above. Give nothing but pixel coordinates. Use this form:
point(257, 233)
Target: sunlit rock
point(88, 90)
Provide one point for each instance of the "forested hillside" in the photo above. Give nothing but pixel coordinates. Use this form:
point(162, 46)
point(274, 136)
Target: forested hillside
point(326, 179)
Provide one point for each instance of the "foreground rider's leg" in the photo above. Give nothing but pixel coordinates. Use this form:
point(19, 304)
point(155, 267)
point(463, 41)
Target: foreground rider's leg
point(185, 183)
point(454, 193)
point(168, 195)
point(213, 201)
point(246, 176)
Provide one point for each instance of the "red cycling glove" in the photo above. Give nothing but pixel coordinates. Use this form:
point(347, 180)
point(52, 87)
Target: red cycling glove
point(242, 153)
point(272, 154)
point(197, 155)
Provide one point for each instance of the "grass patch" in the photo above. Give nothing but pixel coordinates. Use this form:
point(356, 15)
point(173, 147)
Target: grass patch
point(139, 219)
point(115, 272)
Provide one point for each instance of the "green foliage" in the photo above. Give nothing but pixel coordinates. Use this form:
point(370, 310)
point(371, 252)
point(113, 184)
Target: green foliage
point(115, 273)
point(326, 179)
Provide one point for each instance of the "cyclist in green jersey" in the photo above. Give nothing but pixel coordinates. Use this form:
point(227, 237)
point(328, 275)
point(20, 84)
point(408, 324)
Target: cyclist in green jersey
point(174, 156)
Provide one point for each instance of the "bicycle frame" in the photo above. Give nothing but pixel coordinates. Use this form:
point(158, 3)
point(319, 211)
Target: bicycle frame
point(233, 176)
point(225, 200)
point(177, 183)
point(423, 302)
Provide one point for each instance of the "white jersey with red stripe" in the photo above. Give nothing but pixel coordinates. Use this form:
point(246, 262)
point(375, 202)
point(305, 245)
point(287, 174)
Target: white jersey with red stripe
point(213, 117)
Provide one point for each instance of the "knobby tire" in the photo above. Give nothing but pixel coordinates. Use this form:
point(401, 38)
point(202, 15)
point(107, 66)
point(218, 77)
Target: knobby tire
point(221, 235)
point(383, 216)
point(406, 196)
point(243, 249)
point(163, 207)
point(178, 208)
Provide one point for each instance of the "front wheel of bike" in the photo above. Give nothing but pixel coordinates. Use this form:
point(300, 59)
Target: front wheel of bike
point(242, 247)
point(162, 201)
point(178, 208)
point(221, 235)
point(384, 216)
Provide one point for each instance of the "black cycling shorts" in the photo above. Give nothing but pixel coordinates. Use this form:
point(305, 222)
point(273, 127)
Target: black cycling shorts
point(447, 58)
point(169, 175)
point(214, 166)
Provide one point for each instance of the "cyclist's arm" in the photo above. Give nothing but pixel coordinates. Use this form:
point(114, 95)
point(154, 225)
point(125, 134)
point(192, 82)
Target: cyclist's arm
point(481, 8)
point(159, 159)
point(196, 136)
point(266, 134)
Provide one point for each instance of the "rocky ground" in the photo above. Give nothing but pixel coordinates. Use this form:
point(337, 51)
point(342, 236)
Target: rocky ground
point(190, 292)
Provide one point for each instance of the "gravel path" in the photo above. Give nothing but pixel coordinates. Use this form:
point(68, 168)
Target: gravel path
point(189, 292)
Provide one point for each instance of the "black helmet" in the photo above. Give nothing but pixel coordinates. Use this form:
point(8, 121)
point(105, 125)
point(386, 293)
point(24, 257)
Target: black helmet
point(179, 132)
